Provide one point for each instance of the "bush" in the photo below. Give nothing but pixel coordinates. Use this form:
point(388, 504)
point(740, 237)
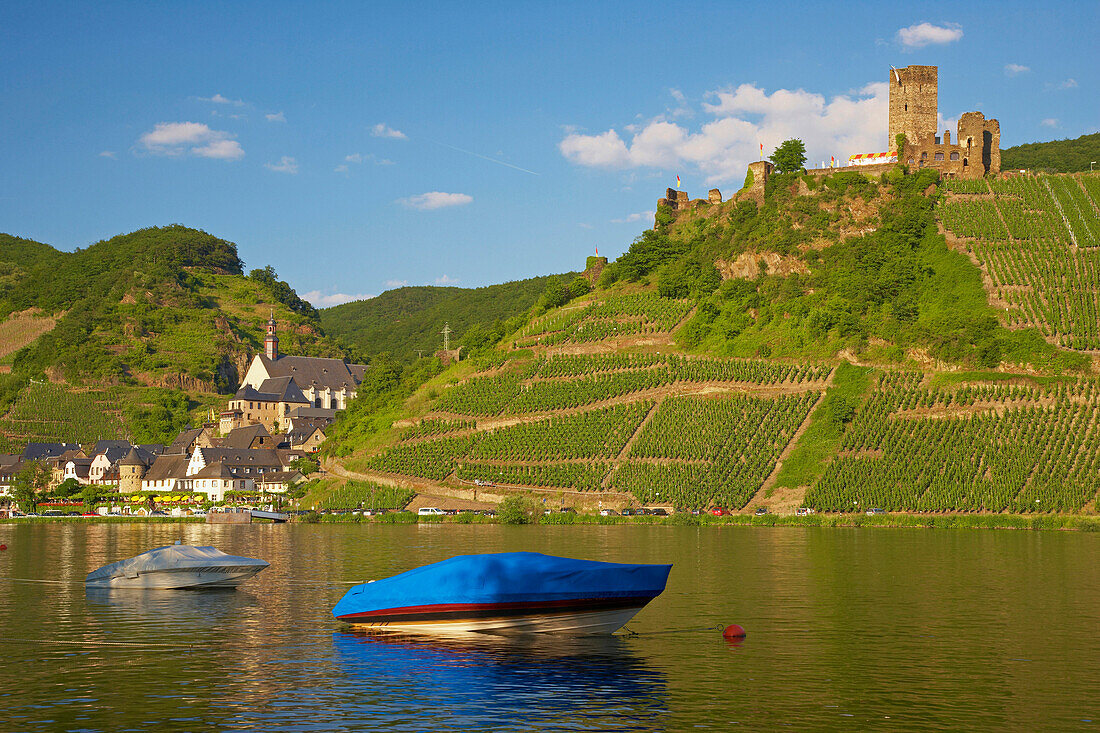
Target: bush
point(516, 509)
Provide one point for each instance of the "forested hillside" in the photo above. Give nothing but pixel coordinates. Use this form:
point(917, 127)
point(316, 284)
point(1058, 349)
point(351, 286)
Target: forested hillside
point(408, 320)
point(853, 343)
point(1056, 156)
point(137, 333)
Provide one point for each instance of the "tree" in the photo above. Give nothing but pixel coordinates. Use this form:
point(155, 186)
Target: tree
point(67, 488)
point(790, 156)
point(32, 478)
point(305, 465)
point(89, 496)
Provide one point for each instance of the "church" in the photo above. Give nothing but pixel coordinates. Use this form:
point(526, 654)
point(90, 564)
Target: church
point(278, 387)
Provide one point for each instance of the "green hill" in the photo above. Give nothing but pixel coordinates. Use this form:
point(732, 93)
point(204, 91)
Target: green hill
point(852, 343)
point(408, 320)
point(122, 326)
point(1056, 156)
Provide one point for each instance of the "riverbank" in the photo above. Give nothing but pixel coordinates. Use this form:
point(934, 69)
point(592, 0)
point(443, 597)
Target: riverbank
point(1067, 522)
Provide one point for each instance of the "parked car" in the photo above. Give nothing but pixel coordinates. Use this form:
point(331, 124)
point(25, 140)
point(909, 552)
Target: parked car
point(658, 512)
point(804, 511)
point(628, 512)
point(875, 510)
point(429, 511)
point(761, 511)
point(608, 513)
point(567, 510)
point(719, 511)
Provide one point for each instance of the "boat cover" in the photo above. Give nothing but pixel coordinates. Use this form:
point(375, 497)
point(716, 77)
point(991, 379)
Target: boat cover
point(507, 577)
point(171, 557)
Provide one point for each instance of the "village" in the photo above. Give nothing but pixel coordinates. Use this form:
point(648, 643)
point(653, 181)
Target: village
point(255, 452)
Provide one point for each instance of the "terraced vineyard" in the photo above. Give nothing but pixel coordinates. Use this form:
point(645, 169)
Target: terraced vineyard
point(691, 450)
point(985, 448)
point(50, 412)
point(611, 316)
point(1038, 240)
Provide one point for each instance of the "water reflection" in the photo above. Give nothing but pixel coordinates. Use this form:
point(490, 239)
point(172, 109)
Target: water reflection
point(167, 610)
point(509, 682)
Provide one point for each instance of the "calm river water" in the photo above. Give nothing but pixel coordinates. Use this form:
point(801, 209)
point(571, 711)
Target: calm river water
point(848, 629)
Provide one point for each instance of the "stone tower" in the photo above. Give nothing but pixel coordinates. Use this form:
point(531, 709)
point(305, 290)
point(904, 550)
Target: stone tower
point(913, 103)
point(271, 343)
point(131, 469)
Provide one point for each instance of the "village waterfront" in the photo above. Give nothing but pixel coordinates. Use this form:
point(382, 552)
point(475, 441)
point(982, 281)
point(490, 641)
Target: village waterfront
point(847, 627)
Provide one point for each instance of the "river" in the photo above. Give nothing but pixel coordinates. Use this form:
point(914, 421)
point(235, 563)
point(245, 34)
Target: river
point(853, 629)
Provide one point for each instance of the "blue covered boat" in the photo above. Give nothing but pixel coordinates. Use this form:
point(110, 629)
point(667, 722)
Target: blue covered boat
point(510, 592)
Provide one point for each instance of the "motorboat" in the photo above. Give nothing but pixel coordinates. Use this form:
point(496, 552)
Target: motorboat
point(176, 566)
point(505, 593)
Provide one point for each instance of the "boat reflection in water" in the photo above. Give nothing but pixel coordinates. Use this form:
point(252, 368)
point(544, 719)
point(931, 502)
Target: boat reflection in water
point(166, 612)
point(480, 681)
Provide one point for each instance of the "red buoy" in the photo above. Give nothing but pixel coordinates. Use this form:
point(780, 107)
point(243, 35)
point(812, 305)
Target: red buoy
point(734, 631)
point(3, 547)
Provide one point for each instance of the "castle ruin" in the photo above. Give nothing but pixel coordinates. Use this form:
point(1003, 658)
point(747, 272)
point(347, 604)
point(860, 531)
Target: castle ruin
point(914, 107)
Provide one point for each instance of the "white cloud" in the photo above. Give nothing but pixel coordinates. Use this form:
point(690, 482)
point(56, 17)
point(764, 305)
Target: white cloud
point(639, 216)
point(179, 138)
point(108, 154)
point(1068, 84)
point(276, 117)
point(585, 225)
point(920, 35)
point(353, 158)
point(384, 130)
point(396, 283)
point(286, 164)
point(342, 168)
point(435, 200)
point(319, 299)
point(446, 280)
point(1049, 122)
point(744, 117)
point(219, 99)
point(1014, 69)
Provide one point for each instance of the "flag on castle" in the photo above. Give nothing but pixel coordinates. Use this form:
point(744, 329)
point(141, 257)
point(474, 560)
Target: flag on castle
point(761, 151)
point(832, 161)
point(677, 181)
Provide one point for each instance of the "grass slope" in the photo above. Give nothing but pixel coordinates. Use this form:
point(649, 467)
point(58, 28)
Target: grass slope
point(146, 329)
point(1056, 156)
point(402, 321)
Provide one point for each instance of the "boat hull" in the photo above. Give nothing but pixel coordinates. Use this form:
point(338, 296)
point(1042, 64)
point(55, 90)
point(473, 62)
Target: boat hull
point(577, 623)
point(208, 577)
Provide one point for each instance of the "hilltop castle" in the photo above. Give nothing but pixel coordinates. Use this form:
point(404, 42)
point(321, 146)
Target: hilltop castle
point(914, 120)
point(914, 110)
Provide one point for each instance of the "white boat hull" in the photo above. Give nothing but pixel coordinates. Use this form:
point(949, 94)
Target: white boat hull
point(209, 577)
point(573, 623)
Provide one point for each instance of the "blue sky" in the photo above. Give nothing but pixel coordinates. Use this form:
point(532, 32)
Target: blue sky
point(359, 146)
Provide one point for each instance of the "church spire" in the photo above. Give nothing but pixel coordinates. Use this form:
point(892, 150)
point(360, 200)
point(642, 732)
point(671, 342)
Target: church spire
point(271, 343)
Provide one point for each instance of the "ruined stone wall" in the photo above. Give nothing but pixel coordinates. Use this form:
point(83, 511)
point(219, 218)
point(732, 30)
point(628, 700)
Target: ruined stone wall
point(914, 103)
point(675, 200)
point(982, 140)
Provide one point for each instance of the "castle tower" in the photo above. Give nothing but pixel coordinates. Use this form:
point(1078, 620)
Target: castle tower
point(271, 343)
point(131, 470)
point(914, 100)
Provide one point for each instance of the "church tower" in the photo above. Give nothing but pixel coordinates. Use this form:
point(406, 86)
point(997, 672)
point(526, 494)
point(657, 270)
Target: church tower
point(271, 343)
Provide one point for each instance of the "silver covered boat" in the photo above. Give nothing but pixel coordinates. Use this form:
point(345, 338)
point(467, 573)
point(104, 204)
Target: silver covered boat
point(176, 567)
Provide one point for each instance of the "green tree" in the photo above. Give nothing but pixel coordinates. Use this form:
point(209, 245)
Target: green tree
point(305, 465)
point(89, 496)
point(67, 488)
point(790, 156)
point(516, 509)
point(31, 479)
